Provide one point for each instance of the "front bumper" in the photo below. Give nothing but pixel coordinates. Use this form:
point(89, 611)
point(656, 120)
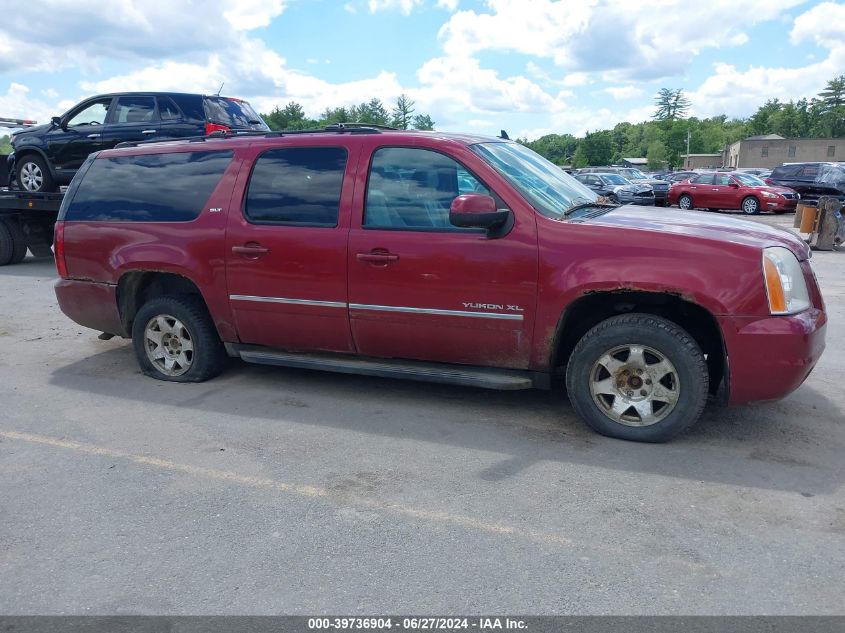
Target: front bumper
point(769, 357)
point(779, 205)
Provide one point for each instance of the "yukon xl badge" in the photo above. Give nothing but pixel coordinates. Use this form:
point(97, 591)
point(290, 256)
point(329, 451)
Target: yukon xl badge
point(492, 306)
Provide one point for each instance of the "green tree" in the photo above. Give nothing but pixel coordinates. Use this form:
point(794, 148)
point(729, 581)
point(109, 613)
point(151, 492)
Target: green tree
point(291, 117)
point(671, 104)
point(423, 122)
point(402, 112)
point(372, 111)
point(832, 107)
point(5, 146)
point(598, 147)
point(656, 155)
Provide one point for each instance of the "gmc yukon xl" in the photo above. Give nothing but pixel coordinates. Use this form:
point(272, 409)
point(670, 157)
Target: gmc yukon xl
point(438, 257)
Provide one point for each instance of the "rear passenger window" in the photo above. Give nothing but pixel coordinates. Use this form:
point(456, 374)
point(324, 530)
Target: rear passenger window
point(298, 185)
point(135, 110)
point(148, 188)
point(167, 110)
point(703, 179)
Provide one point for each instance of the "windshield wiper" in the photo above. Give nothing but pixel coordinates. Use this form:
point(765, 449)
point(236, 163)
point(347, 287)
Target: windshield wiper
point(589, 205)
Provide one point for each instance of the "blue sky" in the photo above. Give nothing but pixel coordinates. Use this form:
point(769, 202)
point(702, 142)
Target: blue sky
point(530, 66)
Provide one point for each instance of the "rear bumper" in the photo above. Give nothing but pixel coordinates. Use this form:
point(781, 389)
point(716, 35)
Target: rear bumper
point(92, 305)
point(769, 357)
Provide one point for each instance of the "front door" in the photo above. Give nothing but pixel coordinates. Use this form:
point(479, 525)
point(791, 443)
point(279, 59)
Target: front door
point(81, 135)
point(420, 288)
point(286, 249)
point(134, 118)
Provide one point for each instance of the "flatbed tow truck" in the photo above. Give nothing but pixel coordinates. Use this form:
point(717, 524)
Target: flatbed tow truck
point(26, 219)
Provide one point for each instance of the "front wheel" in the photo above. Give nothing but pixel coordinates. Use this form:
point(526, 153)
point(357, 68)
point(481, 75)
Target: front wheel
point(685, 202)
point(637, 377)
point(34, 175)
point(750, 206)
point(175, 340)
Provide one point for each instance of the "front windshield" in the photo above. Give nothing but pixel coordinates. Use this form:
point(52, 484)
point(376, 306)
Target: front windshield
point(749, 179)
point(614, 179)
point(546, 186)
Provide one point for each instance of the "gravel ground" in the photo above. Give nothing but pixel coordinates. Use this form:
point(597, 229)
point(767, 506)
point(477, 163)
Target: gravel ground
point(286, 491)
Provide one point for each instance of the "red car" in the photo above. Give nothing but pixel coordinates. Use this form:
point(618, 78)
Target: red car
point(732, 190)
point(437, 257)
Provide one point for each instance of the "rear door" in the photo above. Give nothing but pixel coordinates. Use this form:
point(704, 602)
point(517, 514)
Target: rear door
point(133, 118)
point(174, 123)
point(420, 288)
point(286, 247)
point(700, 190)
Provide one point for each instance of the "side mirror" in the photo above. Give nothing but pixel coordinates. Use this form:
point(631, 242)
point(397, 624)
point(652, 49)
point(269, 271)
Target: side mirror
point(57, 121)
point(474, 210)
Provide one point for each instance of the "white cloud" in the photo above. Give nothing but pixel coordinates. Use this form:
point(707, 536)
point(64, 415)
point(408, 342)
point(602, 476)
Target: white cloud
point(350, 8)
point(621, 93)
point(822, 24)
point(17, 103)
point(576, 79)
point(449, 5)
point(644, 40)
point(252, 14)
point(405, 6)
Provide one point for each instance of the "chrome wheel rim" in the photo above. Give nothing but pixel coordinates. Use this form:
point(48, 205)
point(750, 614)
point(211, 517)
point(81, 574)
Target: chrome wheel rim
point(750, 206)
point(31, 177)
point(684, 202)
point(169, 345)
point(635, 385)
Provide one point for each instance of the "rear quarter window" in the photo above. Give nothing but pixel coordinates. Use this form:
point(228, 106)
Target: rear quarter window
point(148, 188)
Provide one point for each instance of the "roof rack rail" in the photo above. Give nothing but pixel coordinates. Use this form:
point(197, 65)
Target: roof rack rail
point(339, 128)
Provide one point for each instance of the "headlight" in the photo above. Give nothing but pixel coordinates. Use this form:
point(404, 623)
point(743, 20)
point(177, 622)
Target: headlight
point(769, 194)
point(785, 285)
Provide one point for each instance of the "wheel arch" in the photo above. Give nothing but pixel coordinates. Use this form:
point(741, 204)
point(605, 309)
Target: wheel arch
point(590, 309)
point(32, 149)
point(136, 287)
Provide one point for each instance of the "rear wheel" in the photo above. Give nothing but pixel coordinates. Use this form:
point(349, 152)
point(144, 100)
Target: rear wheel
point(34, 175)
point(175, 340)
point(6, 244)
point(18, 247)
point(750, 206)
point(685, 202)
point(637, 377)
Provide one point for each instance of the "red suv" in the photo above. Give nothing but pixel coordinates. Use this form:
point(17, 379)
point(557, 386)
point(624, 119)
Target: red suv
point(438, 257)
point(732, 190)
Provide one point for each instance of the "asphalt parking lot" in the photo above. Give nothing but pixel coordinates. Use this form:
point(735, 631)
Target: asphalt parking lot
point(286, 491)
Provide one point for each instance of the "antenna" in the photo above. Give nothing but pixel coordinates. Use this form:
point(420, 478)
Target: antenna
point(504, 135)
point(221, 88)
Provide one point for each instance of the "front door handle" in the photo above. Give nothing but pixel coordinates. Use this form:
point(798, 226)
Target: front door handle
point(250, 249)
point(94, 136)
point(377, 257)
point(148, 131)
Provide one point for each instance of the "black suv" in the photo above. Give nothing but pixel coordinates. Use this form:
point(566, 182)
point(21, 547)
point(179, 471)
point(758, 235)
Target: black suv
point(811, 180)
point(48, 156)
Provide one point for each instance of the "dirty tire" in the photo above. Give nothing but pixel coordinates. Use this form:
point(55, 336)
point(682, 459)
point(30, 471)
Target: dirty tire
point(7, 244)
point(685, 202)
point(750, 206)
point(18, 240)
point(208, 357)
point(649, 331)
point(34, 164)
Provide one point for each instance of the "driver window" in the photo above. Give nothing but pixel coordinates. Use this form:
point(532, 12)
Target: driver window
point(723, 179)
point(411, 188)
point(92, 114)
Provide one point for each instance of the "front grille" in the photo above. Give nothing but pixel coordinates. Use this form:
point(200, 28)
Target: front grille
point(659, 187)
point(788, 196)
point(644, 194)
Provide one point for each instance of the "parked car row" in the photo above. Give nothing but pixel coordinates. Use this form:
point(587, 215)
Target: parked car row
point(637, 185)
point(47, 156)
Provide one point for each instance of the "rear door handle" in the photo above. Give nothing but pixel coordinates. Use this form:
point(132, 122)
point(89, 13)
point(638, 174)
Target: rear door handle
point(148, 131)
point(250, 250)
point(377, 258)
